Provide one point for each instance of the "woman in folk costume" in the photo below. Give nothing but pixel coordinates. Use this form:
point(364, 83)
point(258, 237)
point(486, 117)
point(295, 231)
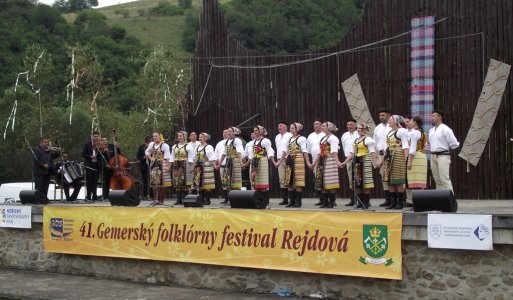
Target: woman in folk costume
point(206, 160)
point(259, 157)
point(394, 163)
point(294, 159)
point(416, 167)
point(233, 152)
point(182, 158)
point(326, 178)
point(362, 157)
point(159, 155)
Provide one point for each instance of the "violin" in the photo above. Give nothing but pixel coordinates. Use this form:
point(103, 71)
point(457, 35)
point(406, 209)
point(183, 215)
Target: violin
point(121, 178)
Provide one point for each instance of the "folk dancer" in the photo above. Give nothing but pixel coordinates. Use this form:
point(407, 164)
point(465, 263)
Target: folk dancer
point(90, 153)
point(233, 152)
point(247, 165)
point(347, 141)
point(144, 167)
point(441, 140)
point(417, 166)
point(158, 155)
point(282, 141)
point(362, 156)
point(42, 167)
point(194, 143)
point(312, 144)
point(205, 161)
point(68, 181)
point(219, 152)
point(380, 137)
point(394, 163)
point(294, 159)
point(261, 153)
point(182, 160)
point(326, 179)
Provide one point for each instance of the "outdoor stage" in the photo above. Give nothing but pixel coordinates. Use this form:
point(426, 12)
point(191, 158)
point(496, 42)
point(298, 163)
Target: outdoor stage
point(426, 272)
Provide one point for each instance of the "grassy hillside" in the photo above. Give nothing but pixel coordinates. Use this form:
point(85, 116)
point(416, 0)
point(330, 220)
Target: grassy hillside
point(165, 31)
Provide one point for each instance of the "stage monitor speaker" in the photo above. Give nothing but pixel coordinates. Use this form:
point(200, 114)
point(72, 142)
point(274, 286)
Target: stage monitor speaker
point(439, 200)
point(31, 197)
point(123, 198)
point(192, 201)
point(243, 199)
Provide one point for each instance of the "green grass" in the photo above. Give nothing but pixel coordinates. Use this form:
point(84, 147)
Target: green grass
point(150, 30)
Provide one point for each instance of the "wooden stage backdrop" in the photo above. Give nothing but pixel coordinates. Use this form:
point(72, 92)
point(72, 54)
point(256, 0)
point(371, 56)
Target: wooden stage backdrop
point(473, 32)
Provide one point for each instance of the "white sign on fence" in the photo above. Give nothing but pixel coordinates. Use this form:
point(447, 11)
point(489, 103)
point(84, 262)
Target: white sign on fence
point(16, 216)
point(460, 231)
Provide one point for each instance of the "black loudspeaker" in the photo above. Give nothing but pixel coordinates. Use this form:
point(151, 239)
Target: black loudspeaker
point(32, 197)
point(192, 201)
point(243, 199)
point(440, 200)
point(123, 198)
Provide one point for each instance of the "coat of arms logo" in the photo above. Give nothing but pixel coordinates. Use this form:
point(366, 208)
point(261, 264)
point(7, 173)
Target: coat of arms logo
point(375, 243)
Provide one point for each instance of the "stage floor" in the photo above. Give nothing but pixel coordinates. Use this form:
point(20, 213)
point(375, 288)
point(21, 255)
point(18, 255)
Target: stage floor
point(494, 207)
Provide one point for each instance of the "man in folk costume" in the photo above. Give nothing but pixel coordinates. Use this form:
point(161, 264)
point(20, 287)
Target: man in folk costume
point(326, 179)
point(312, 144)
point(380, 137)
point(347, 142)
point(294, 160)
point(441, 141)
point(282, 141)
point(233, 152)
point(158, 156)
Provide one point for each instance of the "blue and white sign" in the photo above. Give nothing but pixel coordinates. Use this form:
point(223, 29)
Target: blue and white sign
point(16, 216)
point(460, 231)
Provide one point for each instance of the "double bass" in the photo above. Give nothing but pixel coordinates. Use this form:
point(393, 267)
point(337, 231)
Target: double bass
point(121, 179)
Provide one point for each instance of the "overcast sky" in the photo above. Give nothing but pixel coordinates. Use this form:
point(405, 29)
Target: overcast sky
point(101, 3)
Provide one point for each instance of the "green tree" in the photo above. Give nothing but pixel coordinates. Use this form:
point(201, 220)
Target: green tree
point(190, 32)
point(273, 26)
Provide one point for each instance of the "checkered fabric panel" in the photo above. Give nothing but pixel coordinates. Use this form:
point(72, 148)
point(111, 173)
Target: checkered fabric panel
point(422, 68)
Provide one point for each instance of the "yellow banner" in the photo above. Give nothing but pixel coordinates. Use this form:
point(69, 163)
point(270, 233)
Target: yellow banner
point(341, 243)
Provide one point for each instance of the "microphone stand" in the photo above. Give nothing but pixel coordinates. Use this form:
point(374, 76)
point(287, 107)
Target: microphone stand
point(35, 159)
point(62, 165)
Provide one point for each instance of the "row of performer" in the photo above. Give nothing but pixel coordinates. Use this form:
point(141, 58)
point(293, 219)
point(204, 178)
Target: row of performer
point(396, 148)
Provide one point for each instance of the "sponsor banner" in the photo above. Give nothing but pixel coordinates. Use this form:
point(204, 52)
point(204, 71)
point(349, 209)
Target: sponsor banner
point(460, 231)
point(16, 216)
point(341, 243)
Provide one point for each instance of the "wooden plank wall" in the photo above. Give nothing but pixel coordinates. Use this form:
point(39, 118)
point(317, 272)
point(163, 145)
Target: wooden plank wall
point(474, 31)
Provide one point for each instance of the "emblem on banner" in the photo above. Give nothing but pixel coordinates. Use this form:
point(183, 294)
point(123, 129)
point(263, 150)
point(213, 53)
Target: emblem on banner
point(435, 230)
point(482, 232)
point(375, 243)
point(60, 229)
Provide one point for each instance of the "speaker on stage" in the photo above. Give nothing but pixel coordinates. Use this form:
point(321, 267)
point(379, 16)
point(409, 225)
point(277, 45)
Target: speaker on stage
point(243, 199)
point(440, 200)
point(32, 197)
point(123, 198)
point(192, 201)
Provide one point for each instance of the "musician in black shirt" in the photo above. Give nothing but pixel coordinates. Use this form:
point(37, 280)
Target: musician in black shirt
point(43, 168)
point(64, 169)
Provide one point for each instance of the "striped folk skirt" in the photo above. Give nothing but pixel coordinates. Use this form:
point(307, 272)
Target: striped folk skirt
point(232, 177)
point(329, 171)
point(159, 178)
point(417, 175)
point(204, 176)
point(181, 179)
point(295, 172)
point(260, 173)
point(397, 168)
point(363, 172)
